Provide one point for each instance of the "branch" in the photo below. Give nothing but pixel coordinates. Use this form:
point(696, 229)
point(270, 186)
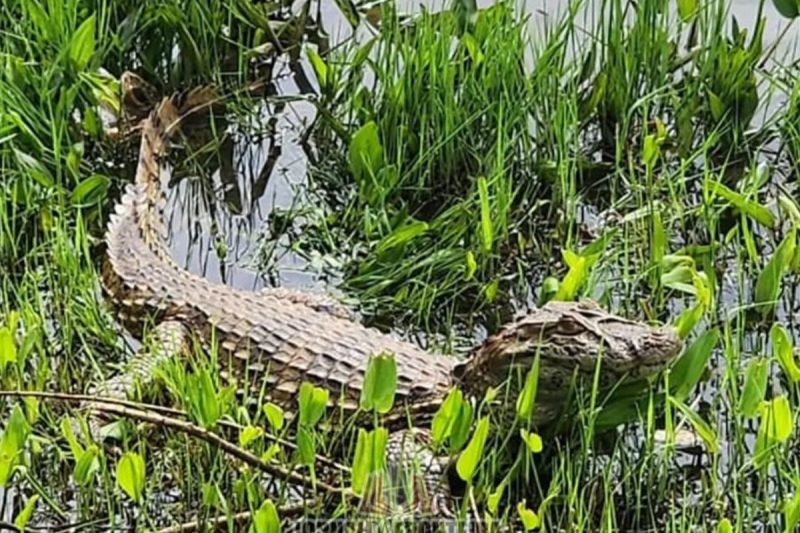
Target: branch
point(118, 409)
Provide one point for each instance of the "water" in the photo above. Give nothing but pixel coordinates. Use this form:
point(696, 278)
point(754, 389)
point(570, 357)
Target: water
point(261, 174)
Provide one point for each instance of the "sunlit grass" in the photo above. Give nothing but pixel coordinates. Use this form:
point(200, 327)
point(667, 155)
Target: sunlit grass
point(462, 157)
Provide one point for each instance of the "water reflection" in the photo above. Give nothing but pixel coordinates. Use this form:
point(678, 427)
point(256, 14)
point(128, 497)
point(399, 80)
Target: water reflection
point(220, 198)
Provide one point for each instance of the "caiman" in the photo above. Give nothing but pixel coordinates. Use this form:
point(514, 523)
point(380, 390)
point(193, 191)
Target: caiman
point(285, 338)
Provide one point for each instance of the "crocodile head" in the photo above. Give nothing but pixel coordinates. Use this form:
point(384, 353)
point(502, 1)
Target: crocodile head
point(570, 339)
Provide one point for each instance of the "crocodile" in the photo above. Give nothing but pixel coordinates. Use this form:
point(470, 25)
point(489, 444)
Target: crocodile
point(279, 338)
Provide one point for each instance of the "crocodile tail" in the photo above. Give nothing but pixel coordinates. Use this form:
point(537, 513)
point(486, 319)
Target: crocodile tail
point(175, 112)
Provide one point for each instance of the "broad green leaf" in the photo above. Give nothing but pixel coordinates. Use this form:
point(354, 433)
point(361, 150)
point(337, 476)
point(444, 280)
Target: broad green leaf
point(687, 10)
point(401, 236)
point(7, 463)
point(86, 465)
point(380, 437)
point(493, 500)
point(266, 519)
point(783, 351)
point(788, 8)
point(526, 401)
point(12, 443)
point(688, 319)
point(490, 290)
point(472, 266)
point(724, 526)
point(777, 419)
point(273, 450)
point(306, 445)
point(650, 151)
point(681, 277)
point(579, 270)
point(212, 496)
point(459, 431)
point(249, 434)
point(12, 322)
point(380, 384)
point(365, 154)
point(130, 475)
point(549, 290)
point(530, 520)
point(699, 425)
point(445, 416)
point(90, 191)
point(791, 512)
point(74, 157)
point(274, 416)
point(36, 13)
point(369, 457)
point(319, 66)
point(362, 461)
point(26, 513)
point(752, 209)
point(312, 403)
point(689, 368)
point(789, 207)
point(82, 46)
point(66, 430)
point(487, 227)
point(755, 386)
point(15, 433)
point(532, 440)
point(8, 349)
point(35, 169)
point(471, 456)
point(768, 284)
point(716, 106)
point(473, 48)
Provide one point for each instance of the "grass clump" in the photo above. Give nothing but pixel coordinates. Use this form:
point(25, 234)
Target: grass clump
point(413, 173)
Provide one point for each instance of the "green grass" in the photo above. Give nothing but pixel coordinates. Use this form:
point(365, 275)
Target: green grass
point(457, 151)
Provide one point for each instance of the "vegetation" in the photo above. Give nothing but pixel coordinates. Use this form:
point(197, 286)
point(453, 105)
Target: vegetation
point(463, 165)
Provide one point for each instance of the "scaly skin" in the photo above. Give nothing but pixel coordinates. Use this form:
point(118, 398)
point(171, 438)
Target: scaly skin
point(287, 337)
point(280, 338)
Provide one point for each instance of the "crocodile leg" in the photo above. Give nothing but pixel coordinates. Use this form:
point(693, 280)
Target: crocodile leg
point(414, 484)
point(163, 342)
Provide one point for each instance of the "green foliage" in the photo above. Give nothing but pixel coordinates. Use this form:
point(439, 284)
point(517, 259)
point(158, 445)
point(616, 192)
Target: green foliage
point(689, 368)
point(368, 458)
point(12, 443)
point(783, 351)
point(530, 520)
point(274, 415)
point(768, 284)
point(526, 401)
point(700, 426)
point(203, 399)
point(472, 455)
point(311, 402)
point(453, 181)
point(265, 519)
point(791, 512)
point(775, 427)
point(25, 514)
point(437, 194)
point(452, 419)
point(755, 387)
point(131, 475)
point(380, 384)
